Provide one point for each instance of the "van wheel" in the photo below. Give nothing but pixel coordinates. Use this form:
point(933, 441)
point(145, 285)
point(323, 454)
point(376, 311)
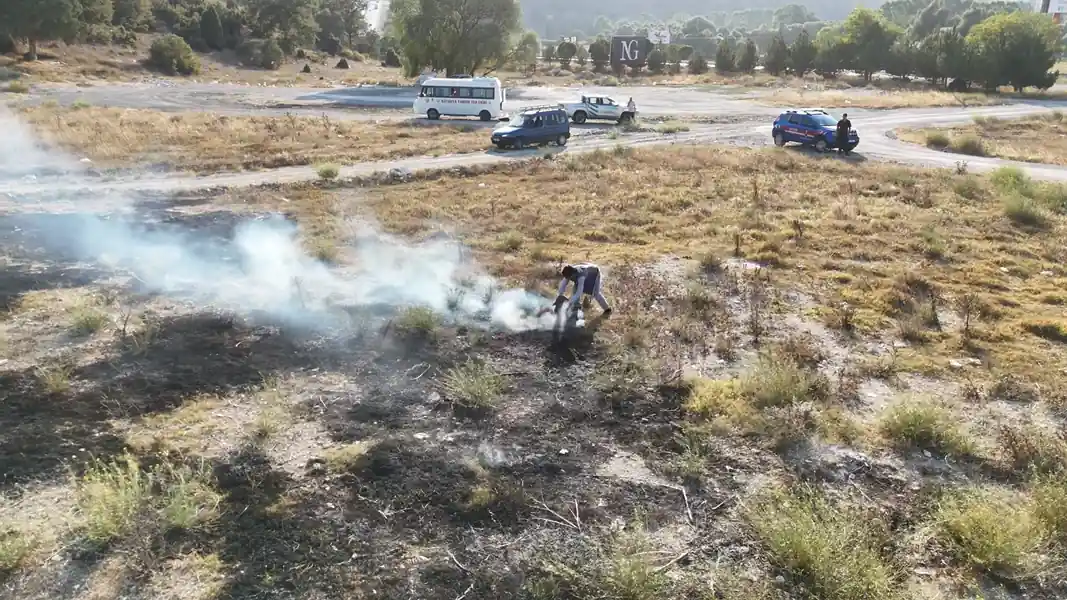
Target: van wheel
point(517, 144)
point(820, 145)
point(561, 141)
point(484, 115)
point(432, 114)
point(779, 140)
point(626, 118)
point(579, 117)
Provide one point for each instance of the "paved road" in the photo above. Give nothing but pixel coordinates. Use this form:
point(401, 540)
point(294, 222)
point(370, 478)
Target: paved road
point(724, 119)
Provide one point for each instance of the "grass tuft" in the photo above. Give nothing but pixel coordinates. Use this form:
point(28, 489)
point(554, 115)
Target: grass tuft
point(778, 381)
point(345, 457)
point(417, 321)
point(110, 497)
point(54, 379)
point(993, 531)
point(15, 547)
point(190, 500)
point(830, 549)
point(1033, 449)
point(925, 425)
point(87, 321)
point(17, 87)
point(1025, 211)
point(474, 385)
point(327, 171)
point(1053, 331)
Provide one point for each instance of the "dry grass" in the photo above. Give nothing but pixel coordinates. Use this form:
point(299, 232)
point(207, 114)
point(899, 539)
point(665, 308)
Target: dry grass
point(1041, 139)
point(995, 531)
point(113, 137)
point(926, 425)
point(867, 228)
point(833, 550)
point(881, 99)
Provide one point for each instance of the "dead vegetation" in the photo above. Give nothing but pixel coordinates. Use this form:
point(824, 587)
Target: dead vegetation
point(1038, 139)
point(796, 396)
point(206, 142)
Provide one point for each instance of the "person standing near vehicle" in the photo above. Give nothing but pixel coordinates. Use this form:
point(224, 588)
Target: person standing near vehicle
point(843, 127)
point(631, 106)
point(587, 279)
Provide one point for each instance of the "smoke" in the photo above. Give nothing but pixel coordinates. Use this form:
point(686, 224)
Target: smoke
point(260, 268)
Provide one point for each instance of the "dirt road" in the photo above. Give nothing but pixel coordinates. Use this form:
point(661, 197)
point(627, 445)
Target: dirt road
point(719, 119)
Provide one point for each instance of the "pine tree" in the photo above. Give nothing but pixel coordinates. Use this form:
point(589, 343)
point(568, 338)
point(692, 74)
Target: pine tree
point(724, 57)
point(749, 57)
point(211, 28)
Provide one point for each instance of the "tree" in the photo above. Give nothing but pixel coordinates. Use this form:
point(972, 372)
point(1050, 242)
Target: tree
point(777, 58)
point(526, 51)
point(566, 51)
point(685, 52)
point(724, 57)
point(130, 13)
point(454, 36)
point(802, 54)
point(96, 12)
point(1017, 49)
point(172, 55)
point(749, 58)
point(657, 59)
point(343, 19)
point(872, 36)
point(793, 14)
point(38, 20)
point(292, 21)
point(582, 56)
point(698, 65)
point(901, 59)
point(600, 53)
point(211, 28)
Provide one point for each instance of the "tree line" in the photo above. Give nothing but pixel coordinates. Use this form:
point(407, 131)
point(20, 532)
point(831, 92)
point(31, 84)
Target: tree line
point(262, 31)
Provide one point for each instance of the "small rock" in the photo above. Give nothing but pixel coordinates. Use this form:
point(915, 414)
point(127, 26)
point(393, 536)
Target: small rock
point(924, 571)
point(422, 436)
point(779, 580)
point(564, 452)
point(85, 161)
point(434, 397)
point(1047, 273)
point(927, 454)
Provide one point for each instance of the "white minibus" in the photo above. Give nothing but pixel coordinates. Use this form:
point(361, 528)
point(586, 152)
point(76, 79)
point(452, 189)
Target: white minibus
point(480, 97)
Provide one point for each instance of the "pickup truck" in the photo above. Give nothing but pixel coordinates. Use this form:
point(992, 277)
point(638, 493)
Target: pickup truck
point(599, 108)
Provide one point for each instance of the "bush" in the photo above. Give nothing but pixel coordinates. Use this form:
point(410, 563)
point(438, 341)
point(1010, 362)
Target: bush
point(969, 144)
point(993, 531)
point(328, 171)
point(172, 55)
point(834, 551)
point(392, 59)
point(262, 54)
point(17, 87)
point(1012, 179)
point(474, 385)
point(937, 139)
point(656, 60)
point(927, 426)
point(698, 65)
point(1025, 211)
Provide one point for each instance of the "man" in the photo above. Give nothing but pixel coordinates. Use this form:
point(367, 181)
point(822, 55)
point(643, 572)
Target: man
point(587, 279)
point(631, 106)
point(843, 127)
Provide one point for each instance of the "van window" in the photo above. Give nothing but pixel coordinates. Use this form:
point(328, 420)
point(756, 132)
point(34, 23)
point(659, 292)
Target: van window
point(464, 92)
point(427, 92)
point(483, 93)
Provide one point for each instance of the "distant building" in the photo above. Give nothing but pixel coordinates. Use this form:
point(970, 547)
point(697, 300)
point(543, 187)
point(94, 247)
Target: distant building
point(1056, 8)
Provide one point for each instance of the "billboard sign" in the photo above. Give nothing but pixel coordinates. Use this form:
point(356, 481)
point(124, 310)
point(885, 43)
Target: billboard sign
point(629, 50)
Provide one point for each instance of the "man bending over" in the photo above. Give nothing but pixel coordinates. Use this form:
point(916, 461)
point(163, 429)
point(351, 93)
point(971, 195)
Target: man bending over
point(587, 279)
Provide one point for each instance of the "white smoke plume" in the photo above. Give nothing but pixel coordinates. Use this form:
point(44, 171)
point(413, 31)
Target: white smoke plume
point(261, 269)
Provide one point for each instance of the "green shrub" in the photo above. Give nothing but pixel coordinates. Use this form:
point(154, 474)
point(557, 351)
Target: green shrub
point(172, 55)
point(1025, 211)
point(969, 144)
point(474, 385)
point(17, 87)
point(262, 54)
point(937, 139)
point(1012, 179)
point(994, 531)
point(831, 550)
point(927, 426)
point(328, 171)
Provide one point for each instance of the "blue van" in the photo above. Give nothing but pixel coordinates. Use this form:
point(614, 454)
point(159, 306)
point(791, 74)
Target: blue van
point(534, 126)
